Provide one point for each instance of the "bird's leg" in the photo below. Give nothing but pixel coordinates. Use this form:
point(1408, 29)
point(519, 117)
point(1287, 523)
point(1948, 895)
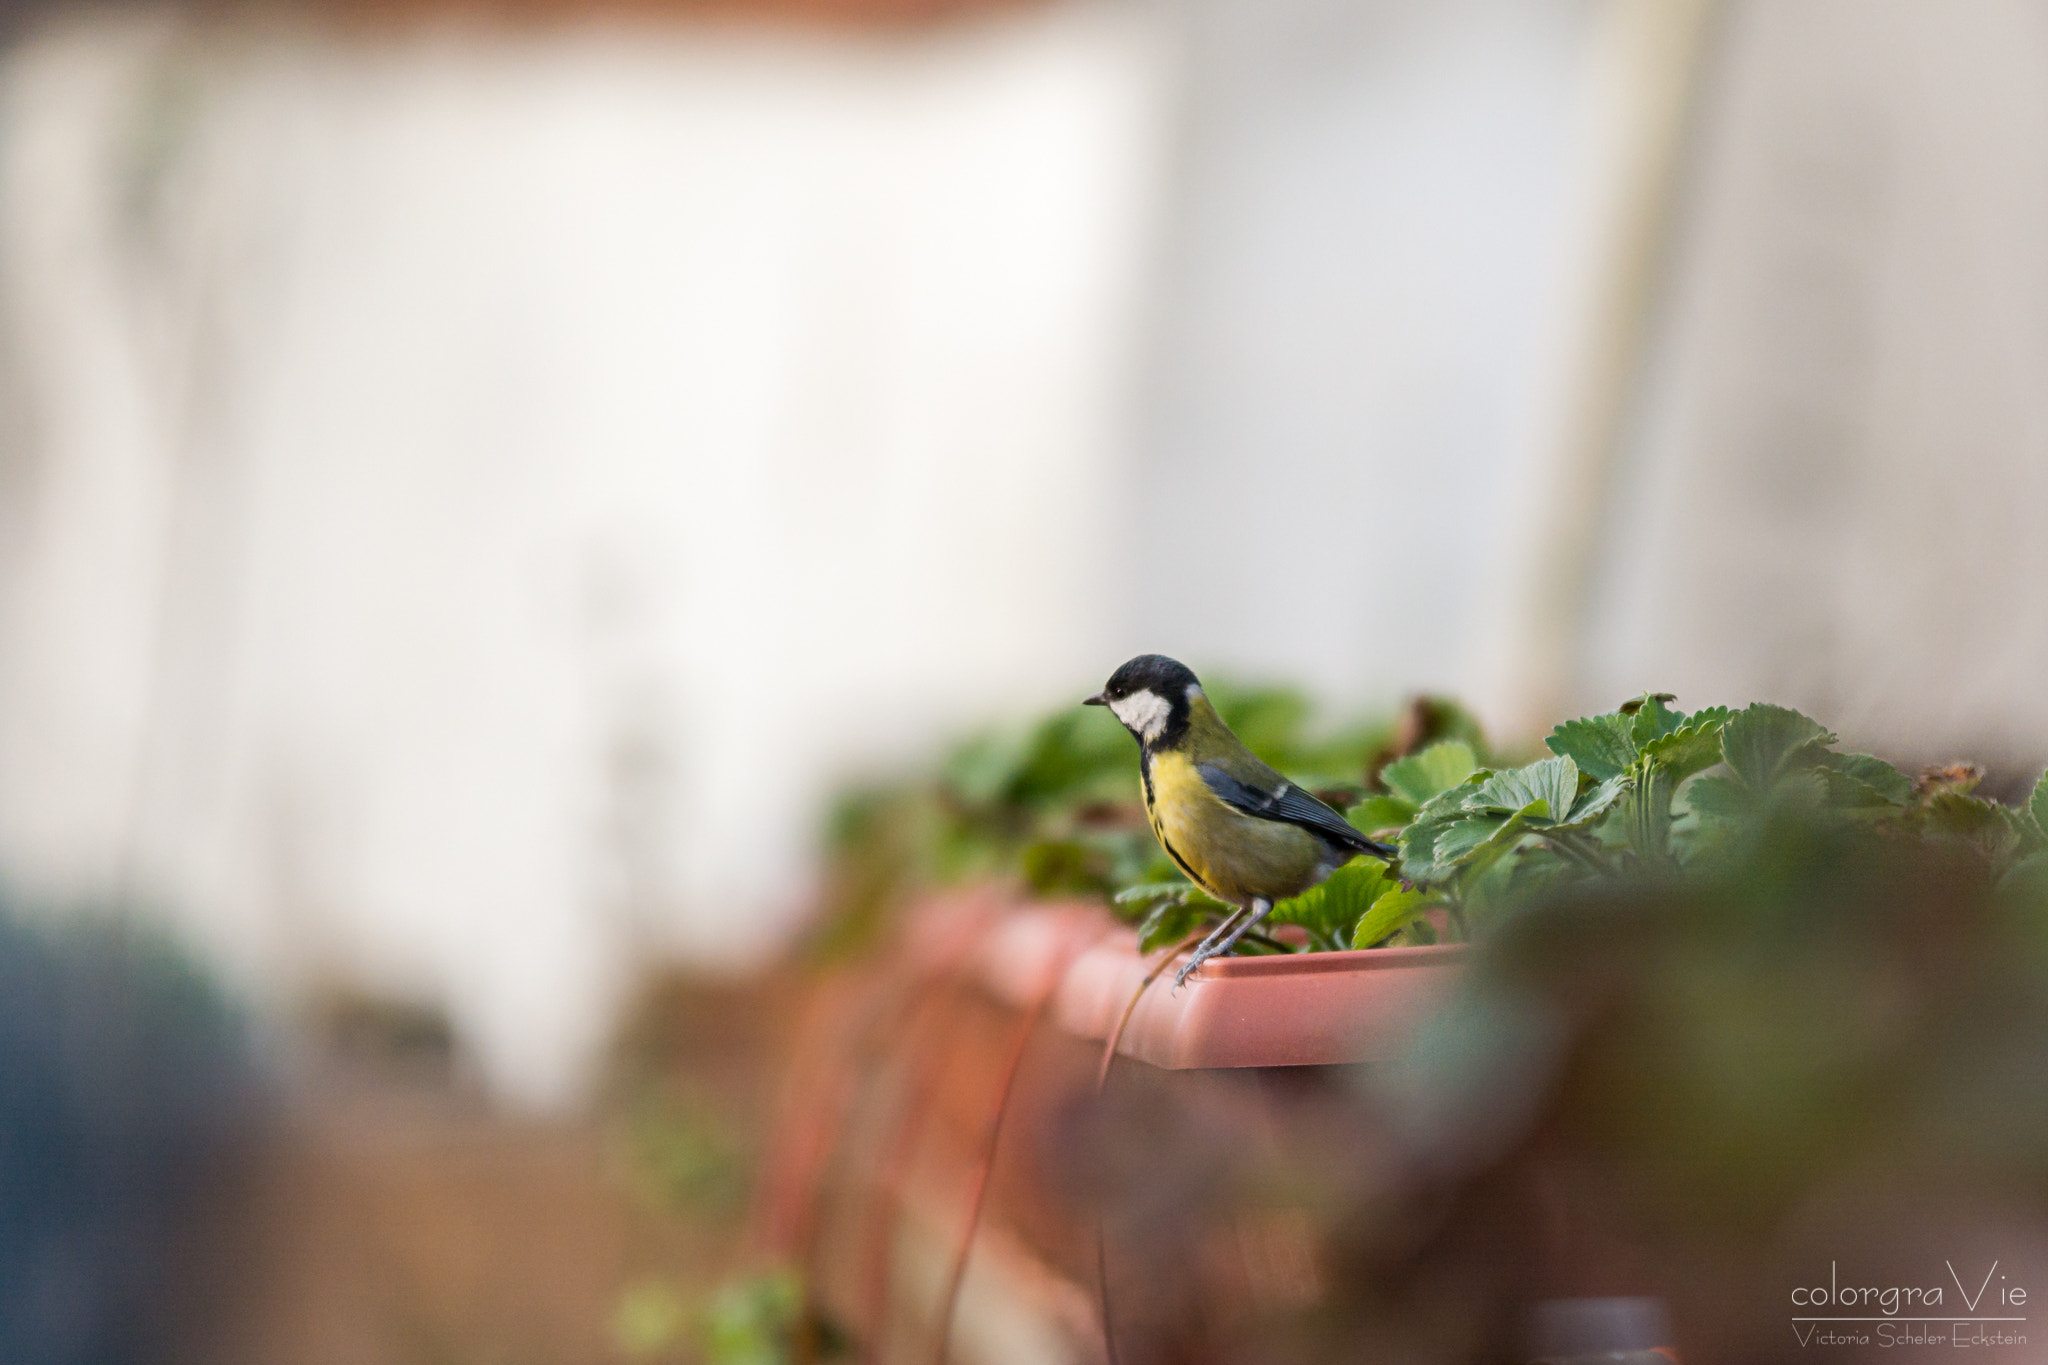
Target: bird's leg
point(1206, 947)
point(1209, 947)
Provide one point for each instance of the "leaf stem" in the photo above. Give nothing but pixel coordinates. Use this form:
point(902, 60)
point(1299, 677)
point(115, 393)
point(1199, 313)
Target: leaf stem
point(1567, 842)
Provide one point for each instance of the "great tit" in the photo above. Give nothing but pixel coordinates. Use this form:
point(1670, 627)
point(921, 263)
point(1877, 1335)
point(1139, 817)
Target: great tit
point(1239, 830)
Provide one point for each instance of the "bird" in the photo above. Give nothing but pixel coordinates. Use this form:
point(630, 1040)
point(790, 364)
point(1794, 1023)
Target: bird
point(1238, 829)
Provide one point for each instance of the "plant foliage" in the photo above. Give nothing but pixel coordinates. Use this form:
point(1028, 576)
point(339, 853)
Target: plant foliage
point(1645, 788)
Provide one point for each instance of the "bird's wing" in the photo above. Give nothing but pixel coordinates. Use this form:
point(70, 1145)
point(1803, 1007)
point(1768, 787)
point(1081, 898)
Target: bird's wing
point(1283, 801)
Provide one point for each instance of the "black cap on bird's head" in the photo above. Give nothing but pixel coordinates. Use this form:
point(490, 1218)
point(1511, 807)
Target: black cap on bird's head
point(1150, 695)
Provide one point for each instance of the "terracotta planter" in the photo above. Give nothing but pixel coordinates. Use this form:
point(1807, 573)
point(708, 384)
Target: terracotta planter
point(936, 1192)
point(1303, 1009)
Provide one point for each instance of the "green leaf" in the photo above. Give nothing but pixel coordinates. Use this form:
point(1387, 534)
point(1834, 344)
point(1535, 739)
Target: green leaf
point(1714, 795)
point(1389, 915)
point(1434, 770)
point(1692, 747)
point(1593, 803)
point(1973, 819)
point(1600, 745)
point(1653, 720)
point(1331, 908)
point(1478, 840)
point(1173, 921)
point(1544, 790)
point(1846, 793)
point(1762, 742)
point(1148, 894)
point(1383, 812)
point(1881, 779)
point(1439, 813)
point(2037, 806)
point(1463, 836)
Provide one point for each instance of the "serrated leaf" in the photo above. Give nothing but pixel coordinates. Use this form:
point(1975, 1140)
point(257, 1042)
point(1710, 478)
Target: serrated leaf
point(1955, 813)
point(1973, 819)
point(1381, 812)
point(1389, 915)
point(1544, 790)
point(1889, 784)
point(1693, 747)
point(1421, 776)
point(1147, 893)
point(1600, 745)
point(1849, 793)
point(1653, 720)
point(1477, 840)
point(1593, 804)
point(1333, 906)
point(1762, 742)
point(1462, 836)
point(1714, 795)
point(1440, 812)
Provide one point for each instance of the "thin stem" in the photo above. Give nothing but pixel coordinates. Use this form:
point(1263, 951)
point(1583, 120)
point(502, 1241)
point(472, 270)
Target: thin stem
point(1567, 843)
point(1102, 1084)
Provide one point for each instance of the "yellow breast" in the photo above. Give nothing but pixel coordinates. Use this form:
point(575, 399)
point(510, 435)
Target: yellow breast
point(1233, 856)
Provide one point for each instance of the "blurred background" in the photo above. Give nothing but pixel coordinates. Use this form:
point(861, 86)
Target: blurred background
point(477, 476)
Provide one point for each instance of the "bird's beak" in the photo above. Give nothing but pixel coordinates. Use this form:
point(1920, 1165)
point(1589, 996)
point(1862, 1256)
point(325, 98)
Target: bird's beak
point(1097, 700)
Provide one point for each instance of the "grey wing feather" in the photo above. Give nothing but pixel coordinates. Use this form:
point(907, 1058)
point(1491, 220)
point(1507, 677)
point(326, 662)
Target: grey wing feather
point(1291, 805)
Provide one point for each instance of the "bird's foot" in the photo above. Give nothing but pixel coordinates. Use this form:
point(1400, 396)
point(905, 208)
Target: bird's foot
point(1191, 966)
point(1223, 940)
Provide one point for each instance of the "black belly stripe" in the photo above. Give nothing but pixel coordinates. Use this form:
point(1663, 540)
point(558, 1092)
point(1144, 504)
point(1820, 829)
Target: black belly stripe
point(1181, 862)
point(1159, 829)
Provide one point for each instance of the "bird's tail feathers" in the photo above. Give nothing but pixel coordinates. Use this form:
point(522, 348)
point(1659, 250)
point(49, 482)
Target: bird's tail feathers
point(1376, 848)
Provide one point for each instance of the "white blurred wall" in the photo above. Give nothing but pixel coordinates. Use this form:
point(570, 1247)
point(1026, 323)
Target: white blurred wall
point(1373, 266)
point(466, 498)
point(1834, 489)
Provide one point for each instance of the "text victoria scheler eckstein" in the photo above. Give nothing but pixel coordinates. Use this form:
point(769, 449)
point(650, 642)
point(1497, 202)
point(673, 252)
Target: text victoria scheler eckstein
point(1991, 1314)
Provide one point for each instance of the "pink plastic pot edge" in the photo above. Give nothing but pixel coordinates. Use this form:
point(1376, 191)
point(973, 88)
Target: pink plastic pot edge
point(1303, 1009)
point(1300, 1009)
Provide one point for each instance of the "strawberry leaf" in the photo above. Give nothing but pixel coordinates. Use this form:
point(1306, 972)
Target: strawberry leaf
point(1763, 742)
point(1394, 911)
point(1601, 745)
point(1434, 770)
point(1545, 790)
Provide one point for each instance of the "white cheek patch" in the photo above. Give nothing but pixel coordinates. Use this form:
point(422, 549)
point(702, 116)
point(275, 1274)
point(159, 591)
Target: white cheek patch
point(1144, 712)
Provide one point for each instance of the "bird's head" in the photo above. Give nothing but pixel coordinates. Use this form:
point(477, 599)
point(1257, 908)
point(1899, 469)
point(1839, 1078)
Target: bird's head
point(1151, 695)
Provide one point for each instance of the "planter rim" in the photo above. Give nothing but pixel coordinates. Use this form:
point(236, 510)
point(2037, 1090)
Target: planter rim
point(1283, 1009)
point(1293, 1009)
point(1345, 960)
